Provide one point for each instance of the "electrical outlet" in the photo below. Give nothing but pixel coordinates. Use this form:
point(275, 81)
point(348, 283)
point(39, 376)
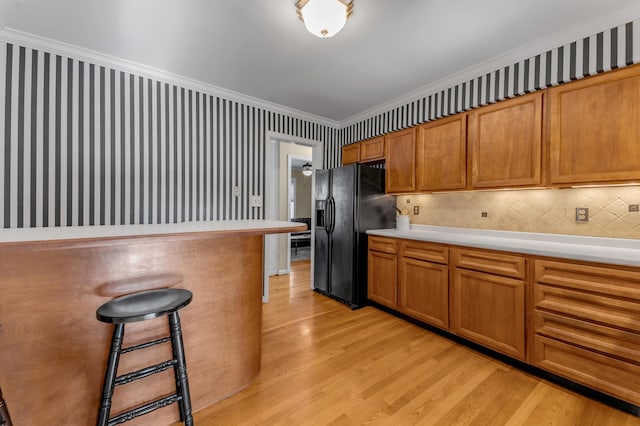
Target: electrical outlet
point(634, 207)
point(582, 214)
point(484, 214)
point(416, 209)
point(236, 191)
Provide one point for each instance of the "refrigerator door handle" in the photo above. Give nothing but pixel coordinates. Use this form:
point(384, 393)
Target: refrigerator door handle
point(328, 216)
point(333, 214)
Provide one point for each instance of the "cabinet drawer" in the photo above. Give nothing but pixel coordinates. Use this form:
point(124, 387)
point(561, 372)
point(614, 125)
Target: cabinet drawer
point(424, 251)
point(593, 279)
point(606, 374)
point(611, 311)
point(372, 149)
point(383, 244)
point(494, 263)
point(610, 341)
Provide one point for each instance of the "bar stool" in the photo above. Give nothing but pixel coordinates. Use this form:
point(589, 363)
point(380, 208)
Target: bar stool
point(5, 420)
point(142, 306)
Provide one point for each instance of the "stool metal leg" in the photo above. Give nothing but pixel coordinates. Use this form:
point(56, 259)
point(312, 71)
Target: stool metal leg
point(110, 374)
point(180, 369)
point(5, 420)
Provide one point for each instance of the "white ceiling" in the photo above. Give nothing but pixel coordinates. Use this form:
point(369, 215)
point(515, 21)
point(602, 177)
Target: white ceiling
point(260, 48)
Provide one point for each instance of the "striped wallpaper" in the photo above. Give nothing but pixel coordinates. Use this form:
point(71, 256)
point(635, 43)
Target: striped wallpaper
point(84, 144)
point(604, 51)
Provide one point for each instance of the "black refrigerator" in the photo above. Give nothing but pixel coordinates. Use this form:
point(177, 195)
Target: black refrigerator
point(349, 201)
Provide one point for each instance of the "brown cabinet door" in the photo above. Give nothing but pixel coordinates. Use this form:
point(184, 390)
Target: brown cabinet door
point(383, 278)
point(489, 309)
point(441, 154)
point(350, 154)
point(372, 150)
point(505, 142)
point(595, 128)
point(400, 159)
point(424, 291)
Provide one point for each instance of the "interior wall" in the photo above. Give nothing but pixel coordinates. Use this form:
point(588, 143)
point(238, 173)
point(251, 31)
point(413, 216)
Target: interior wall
point(535, 210)
point(303, 194)
point(286, 149)
point(88, 144)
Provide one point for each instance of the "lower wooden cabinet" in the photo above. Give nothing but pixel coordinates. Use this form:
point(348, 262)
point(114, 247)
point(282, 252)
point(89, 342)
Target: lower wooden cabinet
point(582, 320)
point(382, 276)
point(424, 291)
point(586, 321)
point(490, 310)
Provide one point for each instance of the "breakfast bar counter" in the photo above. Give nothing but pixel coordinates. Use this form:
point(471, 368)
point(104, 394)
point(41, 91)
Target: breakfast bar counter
point(53, 350)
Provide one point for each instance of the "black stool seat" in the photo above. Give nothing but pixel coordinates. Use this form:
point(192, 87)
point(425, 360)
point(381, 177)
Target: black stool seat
point(144, 305)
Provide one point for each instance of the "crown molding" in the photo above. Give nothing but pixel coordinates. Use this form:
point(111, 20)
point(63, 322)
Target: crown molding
point(528, 50)
point(57, 47)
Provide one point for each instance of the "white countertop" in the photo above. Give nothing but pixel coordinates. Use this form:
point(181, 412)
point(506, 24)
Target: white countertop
point(110, 231)
point(617, 251)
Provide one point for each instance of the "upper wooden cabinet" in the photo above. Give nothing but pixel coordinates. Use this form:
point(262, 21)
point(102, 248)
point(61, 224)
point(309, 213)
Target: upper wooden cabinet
point(505, 142)
point(441, 154)
point(400, 155)
point(372, 150)
point(595, 128)
point(350, 153)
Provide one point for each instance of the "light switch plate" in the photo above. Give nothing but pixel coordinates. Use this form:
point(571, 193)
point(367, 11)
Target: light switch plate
point(256, 201)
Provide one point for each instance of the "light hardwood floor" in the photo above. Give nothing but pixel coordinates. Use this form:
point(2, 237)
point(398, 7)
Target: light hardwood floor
point(324, 364)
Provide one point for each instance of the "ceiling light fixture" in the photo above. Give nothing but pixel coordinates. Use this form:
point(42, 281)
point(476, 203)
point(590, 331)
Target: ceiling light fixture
point(306, 169)
point(324, 18)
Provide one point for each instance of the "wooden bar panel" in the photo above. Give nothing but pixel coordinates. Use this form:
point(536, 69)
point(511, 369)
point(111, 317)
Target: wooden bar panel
point(53, 351)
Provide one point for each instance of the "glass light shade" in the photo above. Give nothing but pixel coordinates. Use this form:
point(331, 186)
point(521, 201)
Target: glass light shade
point(324, 18)
point(306, 169)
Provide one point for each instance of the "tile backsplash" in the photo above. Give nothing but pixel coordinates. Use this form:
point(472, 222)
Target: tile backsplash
point(532, 210)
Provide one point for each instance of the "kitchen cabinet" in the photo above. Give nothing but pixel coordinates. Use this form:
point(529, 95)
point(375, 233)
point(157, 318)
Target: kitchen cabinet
point(594, 127)
point(350, 154)
point(372, 150)
point(488, 300)
point(441, 154)
point(400, 157)
point(505, 142)
point(423, 282)
point(382, 271)
point(586, 321)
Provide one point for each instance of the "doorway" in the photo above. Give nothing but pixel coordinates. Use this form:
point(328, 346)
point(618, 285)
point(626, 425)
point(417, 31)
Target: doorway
point(273, 255)
point(299, 171)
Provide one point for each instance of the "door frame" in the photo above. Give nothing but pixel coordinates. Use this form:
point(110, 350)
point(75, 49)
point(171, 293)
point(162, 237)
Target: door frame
point(291, 157)
point(272, 171)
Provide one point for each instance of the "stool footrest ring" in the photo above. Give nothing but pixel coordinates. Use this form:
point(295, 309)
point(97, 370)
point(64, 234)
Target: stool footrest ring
point(144, 409)
point(145, 345)
point(145, 372)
